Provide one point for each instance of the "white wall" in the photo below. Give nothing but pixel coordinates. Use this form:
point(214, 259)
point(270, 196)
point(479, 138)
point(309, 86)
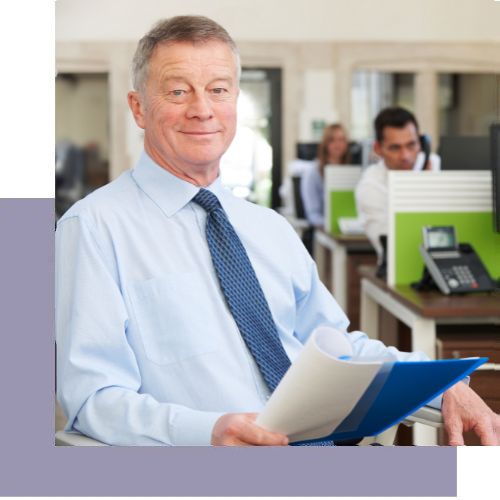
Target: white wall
point(289, 20)
point(318, 102)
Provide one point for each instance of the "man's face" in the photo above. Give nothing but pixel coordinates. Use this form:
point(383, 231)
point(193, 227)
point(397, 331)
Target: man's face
point(399, 147)
point(188, 107)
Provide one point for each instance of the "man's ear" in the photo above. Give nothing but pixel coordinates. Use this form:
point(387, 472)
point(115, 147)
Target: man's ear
point(377, 147)
point(136, 105)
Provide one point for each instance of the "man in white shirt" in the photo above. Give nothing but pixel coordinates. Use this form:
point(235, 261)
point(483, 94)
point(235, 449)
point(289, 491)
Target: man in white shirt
point(398, 145)
point(149, 345)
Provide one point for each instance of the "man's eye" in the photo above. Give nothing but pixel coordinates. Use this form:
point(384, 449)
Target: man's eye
point(219, 90)
point(178, 92)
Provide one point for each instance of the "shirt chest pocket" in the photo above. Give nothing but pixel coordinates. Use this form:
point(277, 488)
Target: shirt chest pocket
point(169, 312)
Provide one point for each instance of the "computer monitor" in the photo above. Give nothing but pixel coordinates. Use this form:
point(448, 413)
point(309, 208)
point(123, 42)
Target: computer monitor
point(495, 172)
point(464, 153)
point(355, 153)
point(307, 150)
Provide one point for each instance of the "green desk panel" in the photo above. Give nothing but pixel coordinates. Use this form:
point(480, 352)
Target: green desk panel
point(475, 228)
point(342, 204)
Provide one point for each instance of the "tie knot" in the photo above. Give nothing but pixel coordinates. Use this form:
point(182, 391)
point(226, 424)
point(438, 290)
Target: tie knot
point(207, 200)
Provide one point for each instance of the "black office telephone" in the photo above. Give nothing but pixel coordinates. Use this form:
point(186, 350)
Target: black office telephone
point(454, 267)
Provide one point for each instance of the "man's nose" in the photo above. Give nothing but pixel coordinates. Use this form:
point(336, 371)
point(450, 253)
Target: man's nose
point(406, 154)
point(199, 107)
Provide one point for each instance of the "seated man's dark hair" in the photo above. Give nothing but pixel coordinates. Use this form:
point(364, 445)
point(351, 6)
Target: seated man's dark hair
point(396, 117)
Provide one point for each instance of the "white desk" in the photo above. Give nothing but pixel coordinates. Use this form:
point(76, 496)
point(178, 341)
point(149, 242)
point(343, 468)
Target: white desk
point(338, 247)
point(423, 330)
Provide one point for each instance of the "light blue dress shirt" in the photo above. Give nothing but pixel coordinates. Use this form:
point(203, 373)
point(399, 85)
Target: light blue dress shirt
point(312, 192)
point(148, 352)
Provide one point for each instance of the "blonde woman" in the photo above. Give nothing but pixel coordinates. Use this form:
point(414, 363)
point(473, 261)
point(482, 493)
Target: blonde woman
point(332, 150)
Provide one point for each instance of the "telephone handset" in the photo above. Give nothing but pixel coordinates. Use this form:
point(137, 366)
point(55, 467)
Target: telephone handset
point(425, 147)
point(455, 267)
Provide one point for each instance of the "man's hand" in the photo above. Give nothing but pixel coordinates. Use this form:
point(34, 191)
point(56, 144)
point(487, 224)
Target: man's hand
point(463, 410)
point(239, 429)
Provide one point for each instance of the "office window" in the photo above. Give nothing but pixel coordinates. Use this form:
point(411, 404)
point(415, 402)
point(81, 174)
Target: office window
point(372, 91)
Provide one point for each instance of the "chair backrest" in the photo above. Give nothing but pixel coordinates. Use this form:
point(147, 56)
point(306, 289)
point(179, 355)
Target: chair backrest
point(300, 212)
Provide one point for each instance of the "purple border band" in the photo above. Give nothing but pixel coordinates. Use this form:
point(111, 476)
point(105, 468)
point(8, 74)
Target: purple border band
point(33, 466)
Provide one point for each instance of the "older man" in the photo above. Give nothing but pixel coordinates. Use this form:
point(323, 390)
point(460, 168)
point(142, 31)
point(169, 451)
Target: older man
point(179, 306)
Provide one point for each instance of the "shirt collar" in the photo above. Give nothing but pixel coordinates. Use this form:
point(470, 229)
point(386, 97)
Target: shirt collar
point(168, 191)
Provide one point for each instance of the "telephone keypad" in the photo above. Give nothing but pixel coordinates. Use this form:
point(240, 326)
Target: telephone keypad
point(459, 276)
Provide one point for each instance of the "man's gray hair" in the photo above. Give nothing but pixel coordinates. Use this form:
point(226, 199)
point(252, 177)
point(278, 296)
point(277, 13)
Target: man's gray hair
point(195, 29)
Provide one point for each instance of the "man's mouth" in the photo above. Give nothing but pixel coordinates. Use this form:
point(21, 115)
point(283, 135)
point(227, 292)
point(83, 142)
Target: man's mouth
point(198, 132)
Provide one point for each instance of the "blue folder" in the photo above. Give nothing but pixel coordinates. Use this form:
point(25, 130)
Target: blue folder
point(398, 390)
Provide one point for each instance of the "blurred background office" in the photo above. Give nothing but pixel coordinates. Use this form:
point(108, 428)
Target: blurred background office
point(306, 64)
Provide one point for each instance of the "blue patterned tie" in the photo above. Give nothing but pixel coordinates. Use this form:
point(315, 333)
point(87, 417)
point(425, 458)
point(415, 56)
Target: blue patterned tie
point(242, 291)
point(244, 295)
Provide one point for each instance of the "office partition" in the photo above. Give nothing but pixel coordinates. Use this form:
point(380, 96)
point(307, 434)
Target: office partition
point(459, 198)
point(339, 182)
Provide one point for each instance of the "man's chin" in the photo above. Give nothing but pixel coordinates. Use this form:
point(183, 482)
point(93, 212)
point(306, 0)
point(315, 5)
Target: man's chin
point(206, 162)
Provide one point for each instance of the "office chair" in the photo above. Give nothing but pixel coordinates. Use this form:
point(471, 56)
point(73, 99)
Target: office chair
point(300, 213)
point(426, 416)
